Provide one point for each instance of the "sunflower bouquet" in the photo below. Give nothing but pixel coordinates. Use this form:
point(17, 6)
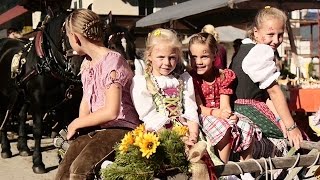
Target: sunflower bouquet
point(145, 155)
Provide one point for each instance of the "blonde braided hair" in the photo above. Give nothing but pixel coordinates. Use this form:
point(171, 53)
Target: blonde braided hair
point(87, 23)
point(160, 35)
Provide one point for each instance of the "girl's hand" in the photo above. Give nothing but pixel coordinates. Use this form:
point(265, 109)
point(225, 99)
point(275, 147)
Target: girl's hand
point(192, 140)
point(225, 113)
point(189, 142)
point(72, 129)
point(295, 137)
point(234, 118)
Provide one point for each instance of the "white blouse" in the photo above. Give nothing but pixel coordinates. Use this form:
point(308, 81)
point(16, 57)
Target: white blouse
point(259, 65)
point(146, 108)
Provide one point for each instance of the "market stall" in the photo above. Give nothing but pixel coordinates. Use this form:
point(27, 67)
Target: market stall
point(305, 97)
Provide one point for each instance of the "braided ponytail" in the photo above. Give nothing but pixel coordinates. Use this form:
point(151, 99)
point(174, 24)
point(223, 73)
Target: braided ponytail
point(93, 30)
point(87, 23)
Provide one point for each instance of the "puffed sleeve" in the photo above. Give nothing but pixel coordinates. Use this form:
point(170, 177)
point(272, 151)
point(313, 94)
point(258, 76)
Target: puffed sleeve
point(260, 66)
point(226, 82)
point(146, 108)
point(189, 100)
point(115, 62)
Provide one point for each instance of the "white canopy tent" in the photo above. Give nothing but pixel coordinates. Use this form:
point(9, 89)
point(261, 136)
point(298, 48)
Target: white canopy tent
point(227, 34)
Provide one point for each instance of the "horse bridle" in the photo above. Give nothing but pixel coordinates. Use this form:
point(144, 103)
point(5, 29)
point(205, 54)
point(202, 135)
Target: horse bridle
point(49, 63)
point(68, 53)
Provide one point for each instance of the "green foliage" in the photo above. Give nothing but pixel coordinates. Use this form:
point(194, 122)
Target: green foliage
point(174, 150)
point(132, 166)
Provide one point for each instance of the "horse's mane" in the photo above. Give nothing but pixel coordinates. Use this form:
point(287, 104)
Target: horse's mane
point(53, 28)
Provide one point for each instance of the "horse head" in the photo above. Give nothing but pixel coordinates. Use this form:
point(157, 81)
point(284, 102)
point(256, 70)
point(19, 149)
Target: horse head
point(58, 47)
point(119, 38)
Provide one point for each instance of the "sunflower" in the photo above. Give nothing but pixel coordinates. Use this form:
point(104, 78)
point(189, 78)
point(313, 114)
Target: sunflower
point(125, 142)
point(139, 130)
point(148, 144)
point(180, 130)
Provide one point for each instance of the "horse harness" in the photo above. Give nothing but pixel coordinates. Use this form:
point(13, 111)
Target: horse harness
point(47, 64)
point(18, 61)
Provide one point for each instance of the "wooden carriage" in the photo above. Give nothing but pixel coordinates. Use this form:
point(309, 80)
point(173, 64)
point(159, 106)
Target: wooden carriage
point(294, 164)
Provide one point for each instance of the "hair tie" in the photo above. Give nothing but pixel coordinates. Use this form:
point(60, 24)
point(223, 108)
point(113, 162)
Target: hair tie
point(157, 32)
point(267, 7)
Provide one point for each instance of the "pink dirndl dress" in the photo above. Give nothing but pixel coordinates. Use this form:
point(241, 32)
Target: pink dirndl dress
point(243, 132)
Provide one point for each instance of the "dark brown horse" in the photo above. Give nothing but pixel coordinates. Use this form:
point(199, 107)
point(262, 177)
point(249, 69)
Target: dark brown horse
point(120, 39)
point(43, 83)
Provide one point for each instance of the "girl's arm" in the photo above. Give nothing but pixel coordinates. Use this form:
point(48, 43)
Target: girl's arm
point(281, 106)
point(273, 109)
point(189, 99)
point(225, 109)
point(107, 113)
point(190, 107)
point(193, 131)
point(202, 109)
point(84, 108)
point(215, 112)
point(223, 112)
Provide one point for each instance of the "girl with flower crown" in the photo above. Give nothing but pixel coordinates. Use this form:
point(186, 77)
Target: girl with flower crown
point(163, 97)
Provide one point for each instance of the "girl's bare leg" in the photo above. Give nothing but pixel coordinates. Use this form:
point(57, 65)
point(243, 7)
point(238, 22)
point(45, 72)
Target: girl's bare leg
point(224, 147)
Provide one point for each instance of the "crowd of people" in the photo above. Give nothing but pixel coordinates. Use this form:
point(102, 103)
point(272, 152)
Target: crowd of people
point(234, 107)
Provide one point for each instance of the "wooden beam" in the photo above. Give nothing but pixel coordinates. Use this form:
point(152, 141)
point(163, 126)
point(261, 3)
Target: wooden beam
point(296, 170)
point(189, 25)
point(309, 145)
point(285, 5)
point(277, 163)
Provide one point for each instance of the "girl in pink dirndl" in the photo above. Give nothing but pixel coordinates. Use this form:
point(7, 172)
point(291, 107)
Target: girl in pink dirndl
point(106, 111)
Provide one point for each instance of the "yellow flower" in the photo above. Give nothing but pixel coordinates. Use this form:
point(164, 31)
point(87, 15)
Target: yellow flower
point(181, 130)
point(125, 142)
point(139, 130)
point(148, 144)
point(138, 139)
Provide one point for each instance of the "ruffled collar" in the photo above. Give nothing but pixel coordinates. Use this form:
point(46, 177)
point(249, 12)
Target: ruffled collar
point(167, 81)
